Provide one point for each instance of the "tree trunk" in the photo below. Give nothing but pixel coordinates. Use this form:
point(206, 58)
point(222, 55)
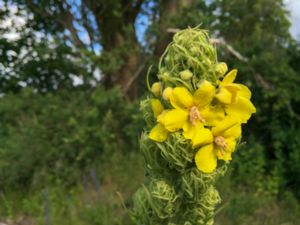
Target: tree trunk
point(118, 35)
point(168, 10)
point(130, 54)
point(118, 39)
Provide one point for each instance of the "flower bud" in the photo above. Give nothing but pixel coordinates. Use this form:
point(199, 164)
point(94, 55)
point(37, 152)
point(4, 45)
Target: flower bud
point(177, 57)
point(155, 89)
point(167, 59)
point(186, 74)
point(195, 50)
point(164, 76)
point(156, 106)
point(222, 68)
point(166, 93)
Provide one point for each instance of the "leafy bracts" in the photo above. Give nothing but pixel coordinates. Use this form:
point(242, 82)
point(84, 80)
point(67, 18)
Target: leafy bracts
point(193, 122)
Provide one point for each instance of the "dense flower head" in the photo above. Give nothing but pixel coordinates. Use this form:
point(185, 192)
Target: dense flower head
point(194, 117)
point(198, 100)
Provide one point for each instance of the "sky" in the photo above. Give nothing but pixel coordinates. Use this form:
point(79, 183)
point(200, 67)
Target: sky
point(294, 7)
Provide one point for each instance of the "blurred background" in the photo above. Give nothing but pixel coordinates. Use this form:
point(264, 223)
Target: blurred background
point(72, 73)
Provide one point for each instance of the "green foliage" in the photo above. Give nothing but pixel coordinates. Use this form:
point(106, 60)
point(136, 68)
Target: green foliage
point(274, 82)
point(243, 205)
point(43, 68)
point(54, 136)
point(41, 61)
point(81, 204)
point(84, 206)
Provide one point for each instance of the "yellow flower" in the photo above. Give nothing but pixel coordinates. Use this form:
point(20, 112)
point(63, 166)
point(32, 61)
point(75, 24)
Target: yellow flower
point(158, 133)
point(192, 112)
point(235, 98)
point(222, 144)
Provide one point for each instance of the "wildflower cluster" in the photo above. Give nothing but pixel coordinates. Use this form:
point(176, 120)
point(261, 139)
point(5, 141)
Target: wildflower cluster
point(210, 115)
point(194, 117)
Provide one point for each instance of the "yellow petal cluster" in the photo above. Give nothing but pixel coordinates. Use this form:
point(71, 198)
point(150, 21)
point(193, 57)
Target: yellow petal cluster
point(158, 133)
point(235, 98)
point(210, 117)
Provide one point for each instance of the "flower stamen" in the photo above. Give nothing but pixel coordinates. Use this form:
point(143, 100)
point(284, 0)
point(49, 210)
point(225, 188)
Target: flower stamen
point(195, 115)
point(220, 142)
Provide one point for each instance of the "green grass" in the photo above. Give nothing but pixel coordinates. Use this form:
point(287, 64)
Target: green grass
point(119, 177)
point(83, 204)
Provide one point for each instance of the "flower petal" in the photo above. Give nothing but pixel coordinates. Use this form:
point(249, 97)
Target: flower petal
point(242, 108)
point(227, 123)
point(223, 155)
point(212, 114)
point(233, 87)
point(173, 119)
point(204, 94)
point(156, 106)
point(231, 144)
point(181, 98)
point(206, 159)
point(229, 78)
point(158, 133)
point(197, 134)
point(244, 91)
point(233, 132)
point(224, 96)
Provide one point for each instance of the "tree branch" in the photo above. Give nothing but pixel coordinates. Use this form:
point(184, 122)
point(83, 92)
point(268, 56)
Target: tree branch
point(136, 8)
point(168, 10)
point(65, 19)
point(258, 78)
point(85, 23)
point(229, 48)
point(133, 78)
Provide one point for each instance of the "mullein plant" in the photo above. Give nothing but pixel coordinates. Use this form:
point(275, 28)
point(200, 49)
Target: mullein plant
point(194, 116)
